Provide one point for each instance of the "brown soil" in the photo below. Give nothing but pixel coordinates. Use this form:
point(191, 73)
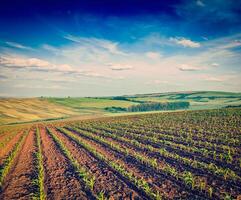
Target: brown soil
point(106, 180)
point(4, 152)
point(60, 180)
point(165, 186)
point(3, 136)
point(18, 184)
point(7, 133)
point(211, 180)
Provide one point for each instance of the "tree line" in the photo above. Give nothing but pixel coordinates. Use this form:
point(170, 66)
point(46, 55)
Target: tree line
point(150, 106)
point(158, 106)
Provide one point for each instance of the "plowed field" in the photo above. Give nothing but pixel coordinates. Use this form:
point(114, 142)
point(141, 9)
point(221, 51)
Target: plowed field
point(182, 155)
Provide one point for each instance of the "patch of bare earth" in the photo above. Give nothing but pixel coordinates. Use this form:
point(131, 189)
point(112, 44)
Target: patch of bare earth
point(166, 187)
point(60, 181)
point(3, 136)
point(19, 182)
point(106, 180)
point(4, 152)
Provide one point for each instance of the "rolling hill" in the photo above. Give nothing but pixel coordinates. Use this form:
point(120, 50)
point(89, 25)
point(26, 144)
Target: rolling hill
point(17, 110)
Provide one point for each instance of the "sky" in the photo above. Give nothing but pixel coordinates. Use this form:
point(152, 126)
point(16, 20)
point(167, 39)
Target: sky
point(116, 47)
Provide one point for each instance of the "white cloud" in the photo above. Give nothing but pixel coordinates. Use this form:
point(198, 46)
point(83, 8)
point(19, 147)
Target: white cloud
point(85, 61)
point(20, 62)
point(103, 44)
point(17, 45)
point(51, 48)
point(200, 3)
point(215, 64)
point(214, 79)
point(185, 67)
point(93, 74)
point(34, 64)
point(185, 42)
point(120, 67)
point(205, 38)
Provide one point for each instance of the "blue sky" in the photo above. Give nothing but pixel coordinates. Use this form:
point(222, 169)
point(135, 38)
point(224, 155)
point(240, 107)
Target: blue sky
point(104, 47)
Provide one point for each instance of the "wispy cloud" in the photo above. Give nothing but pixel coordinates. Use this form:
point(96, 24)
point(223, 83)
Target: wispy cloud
point(85, 60)
point(215, 64)
point(200, 3)
point(186, 67)
point(120, 67)
point(214, 79)
point(21, 62)
point(35, 64)
point(106, 45)
point(185, 42)
point(17, 45)
point(32, 63)
point(93, 74)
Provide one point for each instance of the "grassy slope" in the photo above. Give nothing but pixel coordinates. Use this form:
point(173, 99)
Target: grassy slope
point(16, 110)
point(19, 110)
point(90, 105)
point(198, 100)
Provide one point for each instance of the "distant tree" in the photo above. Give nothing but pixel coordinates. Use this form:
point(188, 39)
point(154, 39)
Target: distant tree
point(159, 106)
point(115, 109)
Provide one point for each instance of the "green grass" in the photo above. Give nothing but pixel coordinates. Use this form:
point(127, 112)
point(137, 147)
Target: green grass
point(19, 110)
point(39, 181)
point(90, 104)
point(198, 100)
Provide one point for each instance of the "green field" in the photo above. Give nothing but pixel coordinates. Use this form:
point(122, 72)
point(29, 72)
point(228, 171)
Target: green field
point(17, 110)
point(198, 100)
point(89, 105)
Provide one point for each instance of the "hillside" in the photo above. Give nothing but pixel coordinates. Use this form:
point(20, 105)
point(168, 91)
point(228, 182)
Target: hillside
point(30, 109)
point(198, 100)
point(13, 110)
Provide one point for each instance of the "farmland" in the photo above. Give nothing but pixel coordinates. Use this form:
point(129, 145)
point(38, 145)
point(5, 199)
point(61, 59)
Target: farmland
point(18, 110)
point(169, 155)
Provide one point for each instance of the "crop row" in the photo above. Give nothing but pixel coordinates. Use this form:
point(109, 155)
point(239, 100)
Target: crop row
point(82, 172)
point(222, 157)
point(197, 134)
point(7, 139)
point(10, 158)
point(121, 169)
point(213, 169)
point(186, 177)
point(39, 181)
point(178, 139)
